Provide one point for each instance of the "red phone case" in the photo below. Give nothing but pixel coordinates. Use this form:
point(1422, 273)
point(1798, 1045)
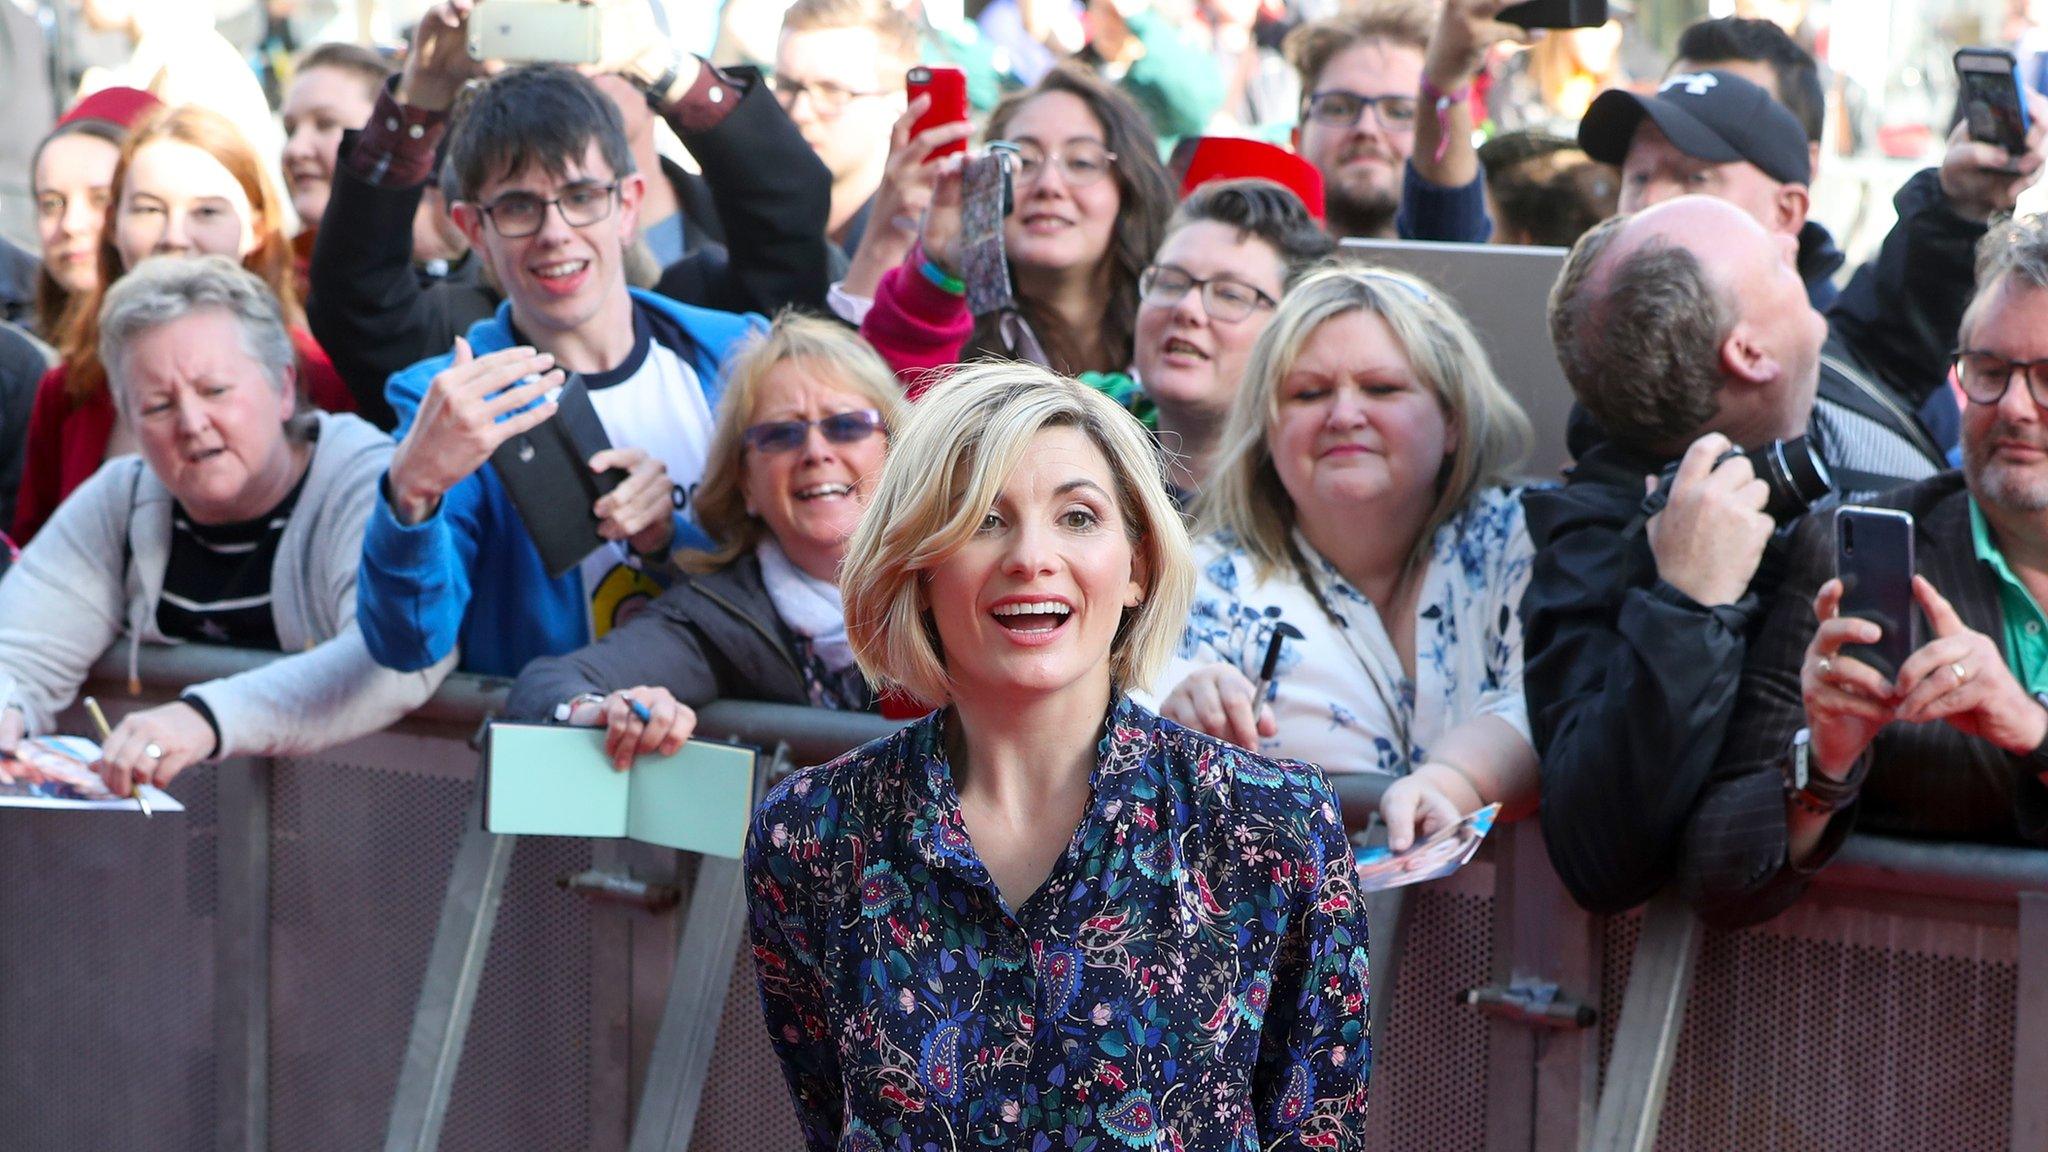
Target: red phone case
point(947, 86)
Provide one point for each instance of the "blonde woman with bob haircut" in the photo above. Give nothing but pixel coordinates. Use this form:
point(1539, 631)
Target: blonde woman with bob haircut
point(1041, 907)
point(796, 448)
point(1360, 518)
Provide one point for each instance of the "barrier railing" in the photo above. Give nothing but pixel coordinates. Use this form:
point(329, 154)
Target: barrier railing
point(246, 976)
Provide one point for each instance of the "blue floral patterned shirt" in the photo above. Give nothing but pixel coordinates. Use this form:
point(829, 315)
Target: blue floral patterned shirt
point(1192, 974)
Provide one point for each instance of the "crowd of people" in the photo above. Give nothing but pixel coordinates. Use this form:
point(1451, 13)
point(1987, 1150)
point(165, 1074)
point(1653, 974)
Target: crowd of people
point(1091, 450)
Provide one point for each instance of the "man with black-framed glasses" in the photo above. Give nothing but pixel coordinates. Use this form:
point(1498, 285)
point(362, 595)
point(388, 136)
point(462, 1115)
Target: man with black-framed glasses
point(839, 73)
point(1386, 117)
point(543, 183)
point(1954, 743)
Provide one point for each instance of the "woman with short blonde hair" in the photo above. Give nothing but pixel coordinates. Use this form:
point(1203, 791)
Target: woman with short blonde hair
point(1042, 887)
point(1359, 525)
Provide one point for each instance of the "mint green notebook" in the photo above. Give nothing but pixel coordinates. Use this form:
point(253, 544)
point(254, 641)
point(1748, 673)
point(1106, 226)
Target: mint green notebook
point(548, 781)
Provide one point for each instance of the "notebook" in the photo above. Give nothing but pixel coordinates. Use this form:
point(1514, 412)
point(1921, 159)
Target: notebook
point(543, 780)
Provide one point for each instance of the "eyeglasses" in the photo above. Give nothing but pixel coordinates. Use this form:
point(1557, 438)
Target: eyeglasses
point(1081, 163)
point(1985, 378)
point(778, 436)
point(828, 98)
point(1163, 286)
point(519, 214)
point(1340, 109)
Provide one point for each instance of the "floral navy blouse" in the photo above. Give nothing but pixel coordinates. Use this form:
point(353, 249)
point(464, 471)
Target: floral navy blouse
point(1192, 974)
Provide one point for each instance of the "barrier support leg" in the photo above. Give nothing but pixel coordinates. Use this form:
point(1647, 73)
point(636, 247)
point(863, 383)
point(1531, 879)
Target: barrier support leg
point(1646, 1039)
point(469, 910)
point(681, 1060)
point(241, 967)
point(2030, 1029)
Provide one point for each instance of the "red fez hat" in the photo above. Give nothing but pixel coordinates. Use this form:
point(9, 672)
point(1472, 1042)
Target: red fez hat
point(1234, 158)
point(118, 106)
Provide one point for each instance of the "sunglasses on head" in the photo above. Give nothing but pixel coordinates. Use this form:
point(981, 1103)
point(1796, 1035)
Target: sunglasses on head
point(789, 435)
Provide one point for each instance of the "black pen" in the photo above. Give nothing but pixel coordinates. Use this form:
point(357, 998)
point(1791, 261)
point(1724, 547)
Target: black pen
point(1282, 631)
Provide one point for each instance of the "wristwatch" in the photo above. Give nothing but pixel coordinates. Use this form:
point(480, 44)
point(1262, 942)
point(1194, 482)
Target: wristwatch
point(1816, 793)
point(567, 708)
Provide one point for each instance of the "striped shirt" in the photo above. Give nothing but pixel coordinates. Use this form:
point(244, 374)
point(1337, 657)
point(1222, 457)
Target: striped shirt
point(217, 583)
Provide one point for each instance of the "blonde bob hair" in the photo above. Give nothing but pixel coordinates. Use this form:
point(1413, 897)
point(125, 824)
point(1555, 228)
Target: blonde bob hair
point(1245, 496)
point(947, 465)
point(830, 352)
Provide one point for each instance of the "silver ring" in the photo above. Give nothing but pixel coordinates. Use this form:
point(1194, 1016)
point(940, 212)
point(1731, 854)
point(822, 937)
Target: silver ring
point(1962, 673)
point(1824, 665)
point(153, 750)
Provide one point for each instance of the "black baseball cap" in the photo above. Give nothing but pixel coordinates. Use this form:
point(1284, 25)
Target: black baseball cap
point(1714, 116)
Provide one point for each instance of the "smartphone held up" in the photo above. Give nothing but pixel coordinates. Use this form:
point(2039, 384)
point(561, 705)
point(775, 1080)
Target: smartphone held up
point(947, 87)
point(536, 31)
point(1994, 104)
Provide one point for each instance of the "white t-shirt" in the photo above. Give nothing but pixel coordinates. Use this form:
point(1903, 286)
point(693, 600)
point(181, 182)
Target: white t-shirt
point(654, 401)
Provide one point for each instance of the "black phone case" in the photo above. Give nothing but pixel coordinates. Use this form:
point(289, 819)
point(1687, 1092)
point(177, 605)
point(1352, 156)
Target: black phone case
point(1555, 14)
point(1874, 561)
point(1992, 102)
point(547, 473)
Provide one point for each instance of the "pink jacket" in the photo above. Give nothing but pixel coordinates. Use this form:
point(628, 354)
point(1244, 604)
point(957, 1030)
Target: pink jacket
point(917, 326)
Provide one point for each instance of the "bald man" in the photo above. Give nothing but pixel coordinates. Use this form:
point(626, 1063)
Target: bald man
point(1684, 330)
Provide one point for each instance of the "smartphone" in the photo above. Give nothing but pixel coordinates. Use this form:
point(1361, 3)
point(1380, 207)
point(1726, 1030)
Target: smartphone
point(1993, 103)
point(531, 31)
point(1556, 14)
point(947, 86)
point(1874, 562)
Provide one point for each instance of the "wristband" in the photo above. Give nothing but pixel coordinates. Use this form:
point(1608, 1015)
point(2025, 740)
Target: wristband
point(946, 281)
point(1444, 102)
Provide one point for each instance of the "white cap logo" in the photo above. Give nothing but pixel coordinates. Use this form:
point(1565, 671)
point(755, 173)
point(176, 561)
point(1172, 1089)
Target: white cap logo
point(1694, 83)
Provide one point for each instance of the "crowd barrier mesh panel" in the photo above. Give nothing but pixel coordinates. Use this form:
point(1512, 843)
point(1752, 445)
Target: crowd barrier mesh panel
point(113, 1047)
point(525, 1080)
point(1434, 1099)
point(746, 1105)
point(1794, 1044)
point(359, 862)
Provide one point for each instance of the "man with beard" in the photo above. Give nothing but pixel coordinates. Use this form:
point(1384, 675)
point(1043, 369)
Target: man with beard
point(1363, 115)
point(1955, 746)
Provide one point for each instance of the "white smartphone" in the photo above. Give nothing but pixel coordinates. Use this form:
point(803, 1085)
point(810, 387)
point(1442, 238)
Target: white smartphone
point(528, 31)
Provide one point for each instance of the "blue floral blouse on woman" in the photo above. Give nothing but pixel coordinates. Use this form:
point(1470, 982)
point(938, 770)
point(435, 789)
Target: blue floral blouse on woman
point(1192, 974)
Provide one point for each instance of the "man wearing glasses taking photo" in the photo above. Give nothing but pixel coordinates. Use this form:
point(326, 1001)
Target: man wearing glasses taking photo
point(546, 192)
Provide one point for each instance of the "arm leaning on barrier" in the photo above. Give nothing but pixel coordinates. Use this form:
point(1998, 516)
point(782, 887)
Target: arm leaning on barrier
point(63, 603)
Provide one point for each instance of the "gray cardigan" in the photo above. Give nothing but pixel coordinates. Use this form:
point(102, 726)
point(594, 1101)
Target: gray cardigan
point(96, 570)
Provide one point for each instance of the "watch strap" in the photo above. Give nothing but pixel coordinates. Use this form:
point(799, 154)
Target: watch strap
point(1816, 793)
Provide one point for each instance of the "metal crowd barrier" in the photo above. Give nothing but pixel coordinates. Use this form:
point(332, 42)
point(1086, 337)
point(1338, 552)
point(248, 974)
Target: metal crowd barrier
point(260, 972)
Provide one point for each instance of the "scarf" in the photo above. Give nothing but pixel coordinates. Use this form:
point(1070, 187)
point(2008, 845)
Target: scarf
point(811, 609)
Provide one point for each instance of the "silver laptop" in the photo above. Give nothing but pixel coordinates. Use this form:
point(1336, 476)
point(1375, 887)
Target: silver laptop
point(1504, 291)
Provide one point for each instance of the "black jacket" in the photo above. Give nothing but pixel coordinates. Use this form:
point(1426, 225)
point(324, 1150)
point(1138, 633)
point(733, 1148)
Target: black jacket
point(1629, 681)
point(22, 364)
point(1926, 779)
point(772, 197)
point(708, 637)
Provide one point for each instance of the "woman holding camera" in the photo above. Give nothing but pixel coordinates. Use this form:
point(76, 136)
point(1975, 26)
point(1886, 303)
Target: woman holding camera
point(1043, 908)
point(1358, 520)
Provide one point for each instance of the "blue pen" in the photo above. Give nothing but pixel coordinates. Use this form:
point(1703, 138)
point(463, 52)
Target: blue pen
point(640, 710)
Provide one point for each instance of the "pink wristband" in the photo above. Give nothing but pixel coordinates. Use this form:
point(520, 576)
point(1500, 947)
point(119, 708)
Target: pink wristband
point(1444, 102)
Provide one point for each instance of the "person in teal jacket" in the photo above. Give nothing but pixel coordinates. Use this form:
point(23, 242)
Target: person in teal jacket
point(548, 195)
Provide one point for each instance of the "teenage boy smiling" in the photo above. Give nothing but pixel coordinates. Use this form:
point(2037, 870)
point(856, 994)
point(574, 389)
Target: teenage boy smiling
point(548, 196)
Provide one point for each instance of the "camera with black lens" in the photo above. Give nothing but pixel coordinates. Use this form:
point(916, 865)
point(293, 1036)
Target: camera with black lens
point(1793, 470)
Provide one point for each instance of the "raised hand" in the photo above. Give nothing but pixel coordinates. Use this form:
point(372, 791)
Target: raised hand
point(1847, 701)
point(1982, 180)
point(471, 407)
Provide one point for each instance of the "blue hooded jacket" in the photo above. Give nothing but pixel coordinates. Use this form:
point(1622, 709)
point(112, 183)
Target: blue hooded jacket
point(470, 573)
